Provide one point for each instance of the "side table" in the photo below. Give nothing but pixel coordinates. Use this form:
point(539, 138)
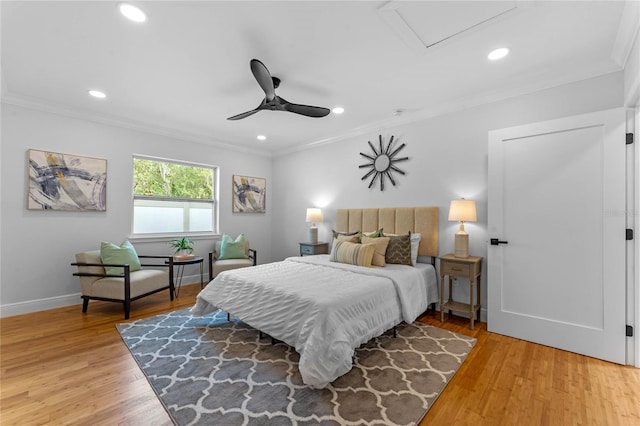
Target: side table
point(314, 248)
point(459, 267)
point(180, 270)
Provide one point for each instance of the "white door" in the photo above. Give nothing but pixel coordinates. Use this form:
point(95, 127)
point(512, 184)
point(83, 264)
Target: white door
point(557, 196)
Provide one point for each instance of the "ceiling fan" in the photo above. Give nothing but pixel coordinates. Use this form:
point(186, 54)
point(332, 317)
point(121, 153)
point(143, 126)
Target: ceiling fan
point(273, 102)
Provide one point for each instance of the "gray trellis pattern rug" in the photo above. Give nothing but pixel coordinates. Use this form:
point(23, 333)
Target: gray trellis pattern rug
point(207, 371)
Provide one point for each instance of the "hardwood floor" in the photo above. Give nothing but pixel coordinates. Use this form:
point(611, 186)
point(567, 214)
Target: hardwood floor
point(63, 367)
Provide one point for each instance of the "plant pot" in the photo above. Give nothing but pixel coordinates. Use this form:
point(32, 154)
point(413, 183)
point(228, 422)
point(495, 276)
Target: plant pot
point(183, 255)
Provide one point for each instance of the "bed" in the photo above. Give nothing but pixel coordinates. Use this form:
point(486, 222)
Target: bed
point(326, 309)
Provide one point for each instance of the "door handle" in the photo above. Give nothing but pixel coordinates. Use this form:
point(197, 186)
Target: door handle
point(496, 241)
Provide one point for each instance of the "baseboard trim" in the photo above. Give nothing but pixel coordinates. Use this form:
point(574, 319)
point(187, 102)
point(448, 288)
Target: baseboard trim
point(29, 306)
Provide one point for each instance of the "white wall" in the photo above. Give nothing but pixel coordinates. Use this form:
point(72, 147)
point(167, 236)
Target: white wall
point(448, 160)
point(38, 246)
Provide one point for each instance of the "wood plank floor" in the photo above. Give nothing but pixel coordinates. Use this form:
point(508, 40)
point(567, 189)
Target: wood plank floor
point(63, 367)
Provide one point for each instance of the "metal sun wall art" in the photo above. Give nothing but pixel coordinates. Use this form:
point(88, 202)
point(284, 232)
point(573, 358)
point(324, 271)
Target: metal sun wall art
point(66, 182)
point(382, 163)
point(249, 194)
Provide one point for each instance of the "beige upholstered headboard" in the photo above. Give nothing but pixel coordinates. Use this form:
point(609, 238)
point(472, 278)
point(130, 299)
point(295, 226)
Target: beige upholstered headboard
point(398, 220)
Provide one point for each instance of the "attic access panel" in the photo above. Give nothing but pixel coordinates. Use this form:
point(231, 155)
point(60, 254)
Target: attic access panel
point(423, 25)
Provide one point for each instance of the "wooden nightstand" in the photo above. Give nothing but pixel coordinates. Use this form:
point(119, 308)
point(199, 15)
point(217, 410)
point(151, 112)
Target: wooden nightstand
point(458, 267)
point(314, 248)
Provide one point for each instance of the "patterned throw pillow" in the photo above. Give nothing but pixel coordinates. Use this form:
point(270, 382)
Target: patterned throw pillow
point(352, 253)
point(122, 254)
point(381, 244)
point(415, 244)
point(399, 250)
point(339, 236)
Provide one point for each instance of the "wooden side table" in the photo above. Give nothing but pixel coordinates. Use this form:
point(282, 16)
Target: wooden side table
point(458, 267)
point(314, 248)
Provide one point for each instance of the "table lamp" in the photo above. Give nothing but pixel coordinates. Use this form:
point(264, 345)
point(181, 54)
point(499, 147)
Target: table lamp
point(314, 215)
point(462, 211)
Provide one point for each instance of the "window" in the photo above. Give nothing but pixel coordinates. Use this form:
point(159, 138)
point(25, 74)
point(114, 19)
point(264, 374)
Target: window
point(173, 197)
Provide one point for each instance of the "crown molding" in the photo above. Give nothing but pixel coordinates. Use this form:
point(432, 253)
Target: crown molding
point(404, 119)
point(114, 121)
point(453, 106)
point(627, 32)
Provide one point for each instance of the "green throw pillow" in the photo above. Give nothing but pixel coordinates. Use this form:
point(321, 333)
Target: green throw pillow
point(123, 254)
point(230, 249)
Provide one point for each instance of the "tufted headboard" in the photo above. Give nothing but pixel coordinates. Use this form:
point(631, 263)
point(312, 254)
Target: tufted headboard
point(398, 220)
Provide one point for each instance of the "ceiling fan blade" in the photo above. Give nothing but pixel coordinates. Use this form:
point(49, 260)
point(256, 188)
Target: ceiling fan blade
point(244, 114)
point(308, 110)
point(262, 75)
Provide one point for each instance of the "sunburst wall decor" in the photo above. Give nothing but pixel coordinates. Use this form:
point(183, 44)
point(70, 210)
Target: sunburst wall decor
point(382, 163)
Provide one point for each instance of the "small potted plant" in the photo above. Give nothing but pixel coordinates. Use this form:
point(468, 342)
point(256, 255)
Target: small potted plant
point(183, 247)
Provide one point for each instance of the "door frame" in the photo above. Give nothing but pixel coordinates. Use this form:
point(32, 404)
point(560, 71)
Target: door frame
point(628, 215)
point(633, 222)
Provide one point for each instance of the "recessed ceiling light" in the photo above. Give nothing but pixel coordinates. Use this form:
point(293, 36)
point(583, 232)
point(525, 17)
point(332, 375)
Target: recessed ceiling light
point(132, 12)
point(97, 94)
point(338, 110)
point(261, 137)
point(498, 53)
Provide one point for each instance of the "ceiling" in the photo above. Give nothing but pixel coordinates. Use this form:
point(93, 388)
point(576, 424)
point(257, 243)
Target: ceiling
point(186, 69)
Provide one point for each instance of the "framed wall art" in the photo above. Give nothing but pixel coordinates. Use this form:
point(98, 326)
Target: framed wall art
point(249, 194)
point(66, 182)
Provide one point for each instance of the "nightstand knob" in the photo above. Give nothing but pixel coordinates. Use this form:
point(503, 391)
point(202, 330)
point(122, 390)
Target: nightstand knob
point(496, 241)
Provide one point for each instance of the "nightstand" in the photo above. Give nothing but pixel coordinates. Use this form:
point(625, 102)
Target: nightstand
point(314, 248)
point(458, 267)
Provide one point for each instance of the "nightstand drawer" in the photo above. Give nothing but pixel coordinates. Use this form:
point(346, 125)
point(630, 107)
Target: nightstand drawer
point(307, 249)
point(456, 269)
point(314, 248)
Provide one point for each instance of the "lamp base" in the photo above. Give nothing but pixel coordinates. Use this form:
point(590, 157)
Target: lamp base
point(461, 248)
point(313, 235)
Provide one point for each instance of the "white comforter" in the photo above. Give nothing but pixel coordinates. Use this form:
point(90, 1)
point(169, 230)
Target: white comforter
point(323, 309)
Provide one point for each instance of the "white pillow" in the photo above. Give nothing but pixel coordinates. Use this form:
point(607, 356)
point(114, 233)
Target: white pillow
point(415, 242)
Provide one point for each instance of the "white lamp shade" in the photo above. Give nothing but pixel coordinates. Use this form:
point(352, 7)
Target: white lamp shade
point(462, 211)
point(314, 215)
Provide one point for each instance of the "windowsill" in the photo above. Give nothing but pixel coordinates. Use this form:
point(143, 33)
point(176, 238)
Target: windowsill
point(150, 238)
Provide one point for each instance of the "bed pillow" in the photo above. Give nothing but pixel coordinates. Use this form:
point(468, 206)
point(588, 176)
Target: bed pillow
point(381, 244)
point(352, 253)
point(351, 238)
point(233, 249)
point(344, 237)
point(415, 244)
point(336, 233)
point(372, 234)
point(399, 250)
point(122, 254)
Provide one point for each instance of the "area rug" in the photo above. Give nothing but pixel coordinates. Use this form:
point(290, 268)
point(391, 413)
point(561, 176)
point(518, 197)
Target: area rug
point(208, 371)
